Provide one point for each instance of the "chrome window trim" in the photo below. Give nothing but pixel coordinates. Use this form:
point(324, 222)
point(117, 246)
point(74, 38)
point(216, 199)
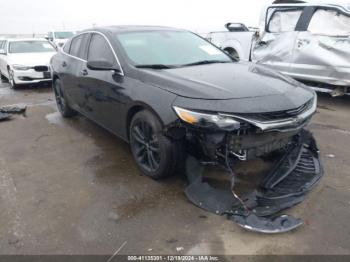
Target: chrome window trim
point(110, 46)
point(278, 124)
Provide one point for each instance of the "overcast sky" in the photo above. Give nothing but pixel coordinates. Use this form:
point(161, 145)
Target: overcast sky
point(39, 16)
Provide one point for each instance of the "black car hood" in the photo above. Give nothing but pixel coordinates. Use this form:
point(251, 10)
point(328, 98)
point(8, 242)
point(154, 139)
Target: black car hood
point(223, 81)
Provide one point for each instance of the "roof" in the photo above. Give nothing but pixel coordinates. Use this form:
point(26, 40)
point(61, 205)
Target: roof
point(132, 28)
point(327, 3)
point(24, 39)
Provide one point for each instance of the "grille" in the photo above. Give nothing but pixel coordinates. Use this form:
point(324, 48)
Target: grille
point(278, 115)
point(41, 68)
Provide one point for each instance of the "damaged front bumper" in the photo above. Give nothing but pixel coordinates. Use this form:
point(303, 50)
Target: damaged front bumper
point(296, 173)
point(224, 139)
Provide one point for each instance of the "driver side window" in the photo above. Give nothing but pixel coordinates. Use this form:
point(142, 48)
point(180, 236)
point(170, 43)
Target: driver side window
point(99, 50)
point(284, 20)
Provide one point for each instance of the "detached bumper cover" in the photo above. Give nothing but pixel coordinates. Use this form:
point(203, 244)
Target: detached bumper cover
point(297, 172)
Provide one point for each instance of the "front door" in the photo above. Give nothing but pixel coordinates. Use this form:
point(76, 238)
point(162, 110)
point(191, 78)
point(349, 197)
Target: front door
point(275, 46)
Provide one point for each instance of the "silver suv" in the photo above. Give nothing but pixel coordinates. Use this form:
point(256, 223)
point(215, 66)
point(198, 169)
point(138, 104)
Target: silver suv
point(309, 42)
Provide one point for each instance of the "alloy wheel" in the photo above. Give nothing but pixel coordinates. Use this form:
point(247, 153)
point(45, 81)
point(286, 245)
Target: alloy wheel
point(11, 78)
point(146, 146)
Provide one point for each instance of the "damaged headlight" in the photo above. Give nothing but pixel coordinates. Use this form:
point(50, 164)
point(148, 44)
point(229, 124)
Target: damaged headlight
point(206, 120)
point(20, 67)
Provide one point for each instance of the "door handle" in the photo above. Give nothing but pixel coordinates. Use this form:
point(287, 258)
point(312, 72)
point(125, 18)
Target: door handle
point(64, 64)
point(302, 42)
point(84, 72)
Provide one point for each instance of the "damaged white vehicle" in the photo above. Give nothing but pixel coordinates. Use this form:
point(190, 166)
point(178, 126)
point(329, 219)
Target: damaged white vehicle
point(307, 41)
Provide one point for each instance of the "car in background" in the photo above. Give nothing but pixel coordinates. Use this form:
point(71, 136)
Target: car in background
point(25, 61)
point(236, 40)
point(59, 38)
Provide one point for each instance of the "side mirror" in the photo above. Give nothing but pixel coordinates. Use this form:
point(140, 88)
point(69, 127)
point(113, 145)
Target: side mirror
point(2, 52)
point(102, 65)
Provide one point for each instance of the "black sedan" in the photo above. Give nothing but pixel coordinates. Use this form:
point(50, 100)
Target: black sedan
point(169, 93)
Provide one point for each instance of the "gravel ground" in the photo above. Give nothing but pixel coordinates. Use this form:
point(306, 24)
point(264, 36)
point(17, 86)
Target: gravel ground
point(70, 187)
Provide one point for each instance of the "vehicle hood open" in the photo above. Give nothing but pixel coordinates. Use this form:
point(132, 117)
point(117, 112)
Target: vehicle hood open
point(223, 81)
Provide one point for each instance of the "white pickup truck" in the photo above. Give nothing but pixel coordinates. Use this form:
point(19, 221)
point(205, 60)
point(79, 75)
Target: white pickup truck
point(236, 41)
point(307, 41)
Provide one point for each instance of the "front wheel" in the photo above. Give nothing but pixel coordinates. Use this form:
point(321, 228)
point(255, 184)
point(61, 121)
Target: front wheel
point(155, 154)
point(11, 79)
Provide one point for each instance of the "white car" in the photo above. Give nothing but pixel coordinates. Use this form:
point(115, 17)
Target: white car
point(25, 61)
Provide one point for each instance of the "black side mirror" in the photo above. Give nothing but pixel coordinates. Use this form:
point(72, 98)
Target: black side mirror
point(102, 65)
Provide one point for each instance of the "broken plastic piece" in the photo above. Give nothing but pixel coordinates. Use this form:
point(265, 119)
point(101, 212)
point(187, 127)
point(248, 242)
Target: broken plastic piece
point(286, 185)
point(15, 109)
point(4, 116)
point(280, 224)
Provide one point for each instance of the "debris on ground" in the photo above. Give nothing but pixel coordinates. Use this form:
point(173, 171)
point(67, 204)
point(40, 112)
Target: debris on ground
point(4, 116)
point(330, 156)
point(6, 111)
point(13, 109)
point(295, 174)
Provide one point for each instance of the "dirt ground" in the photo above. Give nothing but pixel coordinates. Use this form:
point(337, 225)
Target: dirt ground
point(70, 187)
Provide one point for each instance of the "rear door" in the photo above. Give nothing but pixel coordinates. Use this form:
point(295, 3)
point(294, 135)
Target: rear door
point(275, 46)
point(71, 66)
point(102, 88)
point(322, 52)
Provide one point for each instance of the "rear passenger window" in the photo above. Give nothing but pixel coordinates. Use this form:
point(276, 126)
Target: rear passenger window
point(284, 20)
point(77, 46)
point(329, 23)
point(100, 50)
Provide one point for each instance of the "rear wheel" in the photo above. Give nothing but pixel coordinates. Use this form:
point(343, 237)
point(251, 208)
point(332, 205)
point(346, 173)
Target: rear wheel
point(232, 52)
point(61, 101)
point(155, 154)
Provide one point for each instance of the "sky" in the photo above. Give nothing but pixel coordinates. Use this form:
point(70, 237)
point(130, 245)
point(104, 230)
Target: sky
point(201, 16)
point(40, 16)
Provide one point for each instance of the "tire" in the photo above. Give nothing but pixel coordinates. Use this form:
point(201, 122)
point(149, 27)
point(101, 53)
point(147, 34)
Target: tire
point(232, 52)
point(11, 80)
point(62, 103)
point(156, 155)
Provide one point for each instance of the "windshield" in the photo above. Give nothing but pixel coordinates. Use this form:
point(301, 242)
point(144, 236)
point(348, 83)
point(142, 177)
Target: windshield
point(63, 35)
point(30, 47)
point(169, 48)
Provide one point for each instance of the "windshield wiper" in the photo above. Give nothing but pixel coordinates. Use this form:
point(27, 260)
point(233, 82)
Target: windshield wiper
point(206, 62)
point(154, 66)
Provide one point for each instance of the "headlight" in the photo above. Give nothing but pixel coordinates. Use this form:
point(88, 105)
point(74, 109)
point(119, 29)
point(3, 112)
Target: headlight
point(20, 67)
point(206, 120)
